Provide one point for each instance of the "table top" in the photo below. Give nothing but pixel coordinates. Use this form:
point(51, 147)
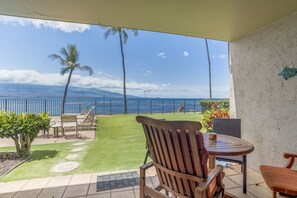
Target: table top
point(226, 145)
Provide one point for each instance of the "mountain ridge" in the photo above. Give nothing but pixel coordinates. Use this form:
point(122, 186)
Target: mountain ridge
point(38, 91)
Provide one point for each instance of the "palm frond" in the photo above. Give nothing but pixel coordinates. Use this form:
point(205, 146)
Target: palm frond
point(135, 32)
point(107, 33)
point(87, 69)
point(64, 70)
point(124, 36)
point(111, 31)
point(59, 58)
point(64, 52)
point(73, 53)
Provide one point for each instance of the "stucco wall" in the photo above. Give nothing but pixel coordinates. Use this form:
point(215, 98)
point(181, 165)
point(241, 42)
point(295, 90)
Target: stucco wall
point(266, 103)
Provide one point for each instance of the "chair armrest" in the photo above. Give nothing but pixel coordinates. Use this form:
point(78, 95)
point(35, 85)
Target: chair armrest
point(292, 157)
point(211, 176)
point(146, 166)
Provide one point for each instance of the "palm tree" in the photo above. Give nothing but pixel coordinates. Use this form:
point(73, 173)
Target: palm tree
point(209, 68)
point(123, 35)
point(68, 61)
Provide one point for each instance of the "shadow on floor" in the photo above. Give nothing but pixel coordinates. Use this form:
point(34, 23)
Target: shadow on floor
point(43, 154)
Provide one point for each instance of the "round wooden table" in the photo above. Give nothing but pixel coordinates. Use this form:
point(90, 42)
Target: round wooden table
point(226, 145)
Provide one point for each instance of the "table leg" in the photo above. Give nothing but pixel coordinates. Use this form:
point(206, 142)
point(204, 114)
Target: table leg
point(212, 161)
point(244, 187)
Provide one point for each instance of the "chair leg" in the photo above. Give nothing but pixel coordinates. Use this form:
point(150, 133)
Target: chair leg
point(76, 130)
point(146, 156)
point(63, 132)
point(142, 183)
point(274, 194)
point(244, 165)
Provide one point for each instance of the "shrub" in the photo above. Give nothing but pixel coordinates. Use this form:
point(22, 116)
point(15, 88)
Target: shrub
point(216, 111)
point(23, 129)
point(206, 104)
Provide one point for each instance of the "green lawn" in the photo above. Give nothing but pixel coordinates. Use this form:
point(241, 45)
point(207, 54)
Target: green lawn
point(119, 145)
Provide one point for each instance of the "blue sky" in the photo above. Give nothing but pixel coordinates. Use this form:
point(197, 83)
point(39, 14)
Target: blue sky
point(164, 64)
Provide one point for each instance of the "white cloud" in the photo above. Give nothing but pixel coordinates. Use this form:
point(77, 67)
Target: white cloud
point(110, 83)
point(37, 23)
point(186, 54)
point(222, 56)
point(98, 81)
point(147, 73)
point(161, 55)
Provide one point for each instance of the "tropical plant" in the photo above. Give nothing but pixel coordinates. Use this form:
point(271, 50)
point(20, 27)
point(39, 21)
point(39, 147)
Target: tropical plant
point(23, 129)
point(68, 59)
point(217, 111)
point(123, 37)
point(207, 104)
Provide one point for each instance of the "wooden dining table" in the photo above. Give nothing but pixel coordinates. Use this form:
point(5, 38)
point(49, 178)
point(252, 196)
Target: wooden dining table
point(226, 145)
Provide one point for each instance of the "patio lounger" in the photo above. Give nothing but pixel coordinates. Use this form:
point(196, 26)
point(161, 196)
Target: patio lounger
point(88, 119)
point(85, 110)
point(180, 159)
point(281, 179)
point(89, 114)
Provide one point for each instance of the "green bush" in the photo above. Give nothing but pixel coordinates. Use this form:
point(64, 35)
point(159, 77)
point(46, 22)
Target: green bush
point(216, 111)
point(23, 129)
point(206, 104)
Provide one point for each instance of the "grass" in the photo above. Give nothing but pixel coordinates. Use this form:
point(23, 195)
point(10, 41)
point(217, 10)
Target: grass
point(44, 157)
point(119, 145)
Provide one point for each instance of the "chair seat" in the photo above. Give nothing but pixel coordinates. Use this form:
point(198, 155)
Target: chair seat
point(70, 124)
point(280, 179)
point(236, 159)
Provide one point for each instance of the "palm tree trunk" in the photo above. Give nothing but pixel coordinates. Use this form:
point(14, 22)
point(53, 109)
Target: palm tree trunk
point(209, 68)
point(124, 73)
point(65, 92)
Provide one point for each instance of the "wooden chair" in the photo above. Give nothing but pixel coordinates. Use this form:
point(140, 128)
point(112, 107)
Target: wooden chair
point(69, 121)
point(180, 159)
point(281, 179)
point(232, 127)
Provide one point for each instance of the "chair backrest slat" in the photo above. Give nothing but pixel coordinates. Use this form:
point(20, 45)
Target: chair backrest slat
point(178, 181)
point(68, 118)
point(178, 152)
point(187, 158)
point(166, 179)
point(171, 184)
point(155, 152)
point(180, 161)
point(230, 126)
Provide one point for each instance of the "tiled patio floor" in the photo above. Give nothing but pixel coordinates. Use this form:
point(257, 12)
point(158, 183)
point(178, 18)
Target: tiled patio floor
point(84, 185)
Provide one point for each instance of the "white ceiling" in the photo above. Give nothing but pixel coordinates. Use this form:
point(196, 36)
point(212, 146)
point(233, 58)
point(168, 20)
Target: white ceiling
point(216, 19)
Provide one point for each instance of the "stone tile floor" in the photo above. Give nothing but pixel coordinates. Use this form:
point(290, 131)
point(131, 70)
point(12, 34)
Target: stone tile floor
point(84, 185)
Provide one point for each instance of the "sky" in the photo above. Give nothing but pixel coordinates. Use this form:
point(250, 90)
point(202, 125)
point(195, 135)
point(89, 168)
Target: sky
point(162, 65)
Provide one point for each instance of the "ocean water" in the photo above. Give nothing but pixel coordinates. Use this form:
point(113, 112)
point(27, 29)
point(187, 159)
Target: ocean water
point(104, 106)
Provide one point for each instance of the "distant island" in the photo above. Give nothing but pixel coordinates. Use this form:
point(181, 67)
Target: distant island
point(44, 91)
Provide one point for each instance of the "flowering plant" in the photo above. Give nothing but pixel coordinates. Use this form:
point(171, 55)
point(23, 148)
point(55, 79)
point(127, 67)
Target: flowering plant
point(217, 111)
